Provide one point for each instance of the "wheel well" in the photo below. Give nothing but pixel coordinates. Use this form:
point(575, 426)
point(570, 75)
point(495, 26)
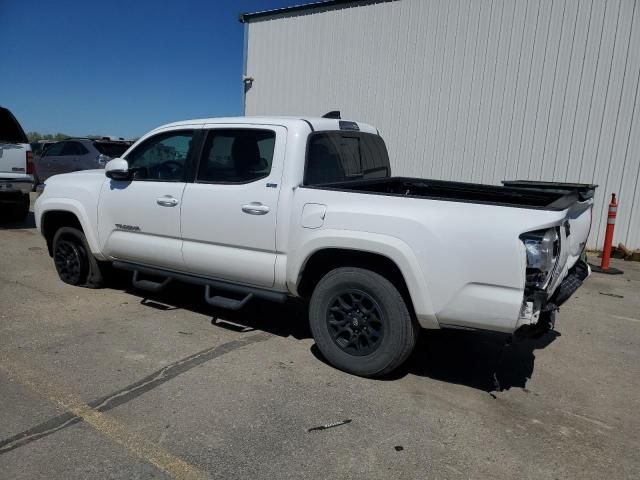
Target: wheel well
point(54, 220)
point(323, 261)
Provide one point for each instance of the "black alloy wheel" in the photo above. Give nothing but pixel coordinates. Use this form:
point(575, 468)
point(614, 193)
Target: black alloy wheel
point(360, 322)
point(356, 322)
point(70, 261)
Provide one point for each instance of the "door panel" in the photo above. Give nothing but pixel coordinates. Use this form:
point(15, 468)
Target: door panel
point(229, 224)
point(134, 226)
point(54, 165)
point(46, 166)
point(139, 220)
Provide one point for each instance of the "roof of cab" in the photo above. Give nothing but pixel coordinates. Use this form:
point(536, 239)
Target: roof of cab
point(313, 123)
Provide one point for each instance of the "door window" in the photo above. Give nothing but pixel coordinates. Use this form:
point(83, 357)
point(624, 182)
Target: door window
point(236, 156)
point(162, 158)
point(54, 150)
point(74, 149)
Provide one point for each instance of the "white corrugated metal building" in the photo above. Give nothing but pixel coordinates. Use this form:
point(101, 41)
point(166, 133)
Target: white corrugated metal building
point(469, 90)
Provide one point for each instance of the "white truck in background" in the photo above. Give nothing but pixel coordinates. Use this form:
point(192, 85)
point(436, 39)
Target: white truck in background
point(271, 208)
point(16, 169)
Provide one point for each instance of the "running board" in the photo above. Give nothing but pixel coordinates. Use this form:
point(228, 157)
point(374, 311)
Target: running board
point(225, 302)
point(235, 288)
point(149, 285)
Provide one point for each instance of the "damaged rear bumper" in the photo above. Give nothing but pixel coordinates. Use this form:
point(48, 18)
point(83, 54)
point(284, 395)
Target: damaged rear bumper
point(537, 314)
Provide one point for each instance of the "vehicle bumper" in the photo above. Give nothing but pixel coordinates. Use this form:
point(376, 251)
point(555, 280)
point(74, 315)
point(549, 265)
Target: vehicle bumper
point(538, 310)
point(574, 279)
point(12, 186)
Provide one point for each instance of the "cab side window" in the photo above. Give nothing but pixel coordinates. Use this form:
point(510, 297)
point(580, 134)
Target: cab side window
point(54, 150)
point(236, 156)
point(162, 158)
point(74, 149)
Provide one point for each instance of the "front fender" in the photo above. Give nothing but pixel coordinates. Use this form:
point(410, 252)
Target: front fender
point(391, 247)
point(87, 219)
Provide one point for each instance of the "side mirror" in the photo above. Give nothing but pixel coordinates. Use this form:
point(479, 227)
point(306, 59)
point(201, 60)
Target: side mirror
point(117, 169)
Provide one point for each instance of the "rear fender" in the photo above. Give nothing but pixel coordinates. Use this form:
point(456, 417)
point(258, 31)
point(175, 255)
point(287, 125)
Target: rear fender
point(392, 248)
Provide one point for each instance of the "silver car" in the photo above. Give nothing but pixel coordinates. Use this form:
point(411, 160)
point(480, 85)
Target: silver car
point(76, 154)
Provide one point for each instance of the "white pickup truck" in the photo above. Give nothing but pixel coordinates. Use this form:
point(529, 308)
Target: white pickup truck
point(16, 169)
point(271, 208)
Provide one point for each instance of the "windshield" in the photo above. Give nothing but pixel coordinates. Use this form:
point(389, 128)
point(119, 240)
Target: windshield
point(10, 129)
point(340, 156)
point(111, 149)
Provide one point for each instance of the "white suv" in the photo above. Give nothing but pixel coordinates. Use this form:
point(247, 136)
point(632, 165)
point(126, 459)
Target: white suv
point(16, 169)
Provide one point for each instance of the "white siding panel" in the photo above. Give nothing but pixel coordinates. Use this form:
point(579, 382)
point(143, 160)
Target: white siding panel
point(472, 90)
point(628, 226)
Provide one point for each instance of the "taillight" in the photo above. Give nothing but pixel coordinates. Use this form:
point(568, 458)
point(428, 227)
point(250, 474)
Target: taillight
point(30, 168)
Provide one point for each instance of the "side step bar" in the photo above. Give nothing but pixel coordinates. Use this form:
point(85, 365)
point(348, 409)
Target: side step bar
point(148, 285)
point(225, 302)
point(256, 292)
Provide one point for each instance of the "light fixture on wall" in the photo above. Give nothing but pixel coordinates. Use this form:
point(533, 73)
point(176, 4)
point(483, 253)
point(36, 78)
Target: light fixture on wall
point(248, 82)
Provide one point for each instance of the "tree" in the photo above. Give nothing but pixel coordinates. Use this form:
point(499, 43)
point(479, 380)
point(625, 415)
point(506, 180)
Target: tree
point(35, 136)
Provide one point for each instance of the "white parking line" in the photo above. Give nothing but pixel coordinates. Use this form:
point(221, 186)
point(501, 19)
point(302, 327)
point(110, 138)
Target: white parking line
point(136, 443)
point(626, 318)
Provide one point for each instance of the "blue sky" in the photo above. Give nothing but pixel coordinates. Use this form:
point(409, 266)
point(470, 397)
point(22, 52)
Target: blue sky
point(121, 67)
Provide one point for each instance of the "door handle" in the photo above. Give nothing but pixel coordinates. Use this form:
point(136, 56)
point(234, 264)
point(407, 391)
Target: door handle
point(255, 208)
point(167, 201)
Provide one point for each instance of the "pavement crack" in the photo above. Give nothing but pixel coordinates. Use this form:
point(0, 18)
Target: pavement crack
point(129, 392)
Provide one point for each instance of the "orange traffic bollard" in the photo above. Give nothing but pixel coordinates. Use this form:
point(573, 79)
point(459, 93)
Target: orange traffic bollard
point(608, 240)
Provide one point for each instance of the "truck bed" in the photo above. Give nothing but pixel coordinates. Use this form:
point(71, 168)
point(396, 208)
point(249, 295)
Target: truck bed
point(518, 194)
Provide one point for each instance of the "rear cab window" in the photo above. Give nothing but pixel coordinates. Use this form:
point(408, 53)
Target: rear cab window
point(339, 156)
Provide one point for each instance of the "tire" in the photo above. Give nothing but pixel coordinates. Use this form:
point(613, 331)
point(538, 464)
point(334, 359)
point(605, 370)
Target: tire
point(361, 323)
point(73, 259)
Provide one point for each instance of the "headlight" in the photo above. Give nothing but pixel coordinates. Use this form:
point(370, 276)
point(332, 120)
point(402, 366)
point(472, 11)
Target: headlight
point(543, 248)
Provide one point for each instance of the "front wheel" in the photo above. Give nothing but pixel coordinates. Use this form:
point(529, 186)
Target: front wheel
point(73, 259)
point(361, 323)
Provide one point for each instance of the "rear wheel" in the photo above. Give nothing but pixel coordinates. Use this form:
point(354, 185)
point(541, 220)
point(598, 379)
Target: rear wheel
point(73, 259)
point(360, 322)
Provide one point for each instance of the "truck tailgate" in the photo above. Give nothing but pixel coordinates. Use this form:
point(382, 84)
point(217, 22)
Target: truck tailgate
point(13, 157)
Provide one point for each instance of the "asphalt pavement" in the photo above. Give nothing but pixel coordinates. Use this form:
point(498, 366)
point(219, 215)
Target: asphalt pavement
point(117, 383)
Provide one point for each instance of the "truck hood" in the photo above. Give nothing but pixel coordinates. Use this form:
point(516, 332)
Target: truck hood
point(82, 186)
point(82, 175)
